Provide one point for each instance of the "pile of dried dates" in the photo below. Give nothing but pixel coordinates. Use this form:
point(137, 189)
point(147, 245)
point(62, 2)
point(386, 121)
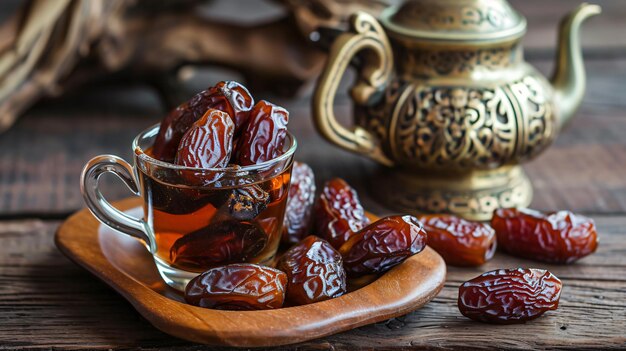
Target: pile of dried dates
point(316, 267)
point(218, 211)
point(222, 126)
point(332, 240)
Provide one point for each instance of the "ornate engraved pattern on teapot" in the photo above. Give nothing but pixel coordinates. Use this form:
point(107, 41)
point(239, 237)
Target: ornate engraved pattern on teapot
point(444, 98)
point(441, 63)
point(471, 197)
point(465, 127)
point(468, 16)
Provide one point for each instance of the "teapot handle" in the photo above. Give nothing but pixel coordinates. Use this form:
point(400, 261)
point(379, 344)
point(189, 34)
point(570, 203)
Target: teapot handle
point(365, 34)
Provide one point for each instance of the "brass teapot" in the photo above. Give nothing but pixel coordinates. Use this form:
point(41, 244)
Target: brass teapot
point(445, 99)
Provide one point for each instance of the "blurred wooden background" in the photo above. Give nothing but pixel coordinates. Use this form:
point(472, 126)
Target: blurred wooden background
point(42, 155)
point(46, 301)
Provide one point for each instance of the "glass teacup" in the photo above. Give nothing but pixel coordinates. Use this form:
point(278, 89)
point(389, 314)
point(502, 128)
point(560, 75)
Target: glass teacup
point(195, 219)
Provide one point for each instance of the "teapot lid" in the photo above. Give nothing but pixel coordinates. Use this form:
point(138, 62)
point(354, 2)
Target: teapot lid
point(454, 20)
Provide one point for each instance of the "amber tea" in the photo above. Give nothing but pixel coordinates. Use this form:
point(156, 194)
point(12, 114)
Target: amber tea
point(200, 228)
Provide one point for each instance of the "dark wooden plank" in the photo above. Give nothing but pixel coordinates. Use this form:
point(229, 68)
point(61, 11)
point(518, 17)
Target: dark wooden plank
point(47, 301)
point(41, 157)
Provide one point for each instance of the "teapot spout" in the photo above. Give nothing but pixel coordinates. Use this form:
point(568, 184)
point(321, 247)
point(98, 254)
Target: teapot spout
point(568, 79)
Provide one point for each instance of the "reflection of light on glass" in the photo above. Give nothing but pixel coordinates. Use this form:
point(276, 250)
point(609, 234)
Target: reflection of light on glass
point(314, 36)
point(185, 73)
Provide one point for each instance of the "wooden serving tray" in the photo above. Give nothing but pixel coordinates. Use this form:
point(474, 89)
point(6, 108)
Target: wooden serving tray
point(123, 263)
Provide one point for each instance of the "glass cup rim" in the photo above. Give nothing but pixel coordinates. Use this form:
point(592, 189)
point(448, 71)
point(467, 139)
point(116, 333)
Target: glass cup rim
point(140, 153)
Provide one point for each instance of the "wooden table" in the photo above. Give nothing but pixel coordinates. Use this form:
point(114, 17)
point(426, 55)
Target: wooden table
point(46, 301)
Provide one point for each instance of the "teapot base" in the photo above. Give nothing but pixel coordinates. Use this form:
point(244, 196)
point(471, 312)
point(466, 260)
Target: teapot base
point(472, 195)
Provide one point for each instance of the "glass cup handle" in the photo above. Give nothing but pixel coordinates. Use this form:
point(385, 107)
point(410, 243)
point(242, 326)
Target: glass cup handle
point(101, 208)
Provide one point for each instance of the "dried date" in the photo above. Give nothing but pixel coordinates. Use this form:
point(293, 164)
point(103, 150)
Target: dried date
point(170, 198)
point(507, 296)
point(208, 143)
point(238, 99)
point(383, 245)
point(238, 197)
point(238, 287)
point(459, 241)
point(228, 96)
point(218, 244)
point(247, 202)
point(338, 213)
point(269, 225)
point(264, 135)
point(315, 271)
point(299, 203)
point(560, 237)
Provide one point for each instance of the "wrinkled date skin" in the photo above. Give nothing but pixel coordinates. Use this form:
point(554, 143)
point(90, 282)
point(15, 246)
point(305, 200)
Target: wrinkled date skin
point(219, 243)
point(172, 199)
point(561, 237)
point(508, 296)
point(238, 99)
point(299, 203)
point(264, 136)
point(208, 143)
point(228, 96)
point(246, 203)
point(238, 287)
point(315, 271)
point(382, 245)
point(460, 242)
point(243, 202)
point(338, 213)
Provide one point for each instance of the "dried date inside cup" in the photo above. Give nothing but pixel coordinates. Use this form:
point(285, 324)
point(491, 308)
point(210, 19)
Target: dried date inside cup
point(228, 96)
point(167, 196)
point(246, 203)
point(263, 137)
point(208, 142)
point(218, 244)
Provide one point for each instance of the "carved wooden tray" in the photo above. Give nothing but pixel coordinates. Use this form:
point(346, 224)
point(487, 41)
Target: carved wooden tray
point(123, 263)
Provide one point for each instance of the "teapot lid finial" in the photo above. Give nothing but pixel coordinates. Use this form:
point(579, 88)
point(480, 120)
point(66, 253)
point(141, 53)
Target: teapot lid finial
point(454, 20)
